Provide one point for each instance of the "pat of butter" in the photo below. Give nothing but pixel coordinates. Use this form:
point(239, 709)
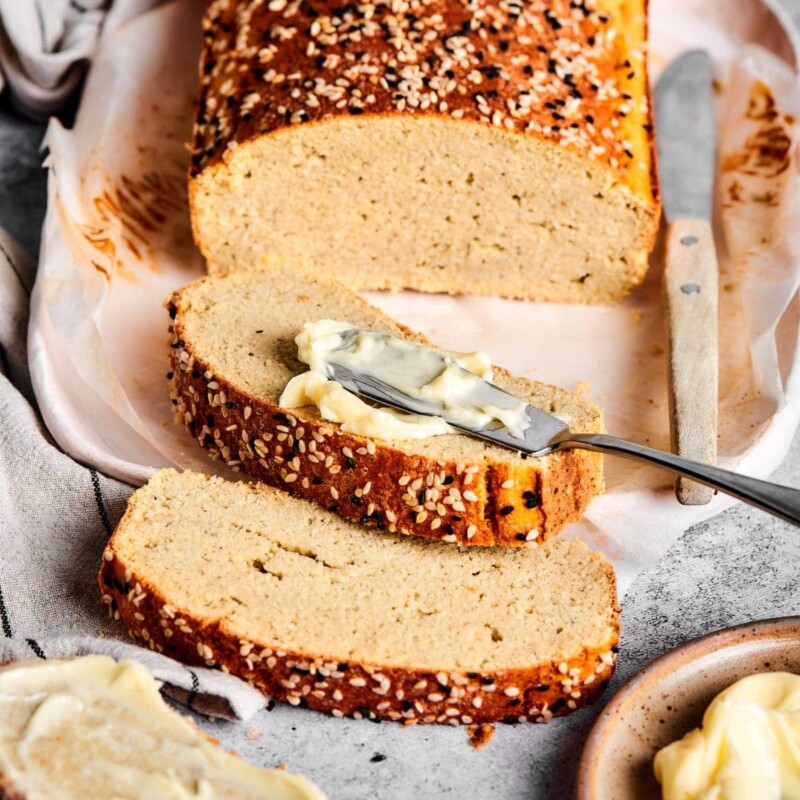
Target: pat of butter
point(748, 747)
point(414, 369)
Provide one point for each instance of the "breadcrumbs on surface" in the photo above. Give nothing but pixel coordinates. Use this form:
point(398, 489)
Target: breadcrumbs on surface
point(480, 735)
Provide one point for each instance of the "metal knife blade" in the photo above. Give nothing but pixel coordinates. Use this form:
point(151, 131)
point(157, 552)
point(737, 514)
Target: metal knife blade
point(541, 434)
point(685, 138)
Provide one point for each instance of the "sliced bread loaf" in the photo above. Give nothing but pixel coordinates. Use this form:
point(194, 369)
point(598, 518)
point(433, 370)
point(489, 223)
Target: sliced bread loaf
point(486, 147)
point(92, 727)
point(233, 353)
point(323, 613)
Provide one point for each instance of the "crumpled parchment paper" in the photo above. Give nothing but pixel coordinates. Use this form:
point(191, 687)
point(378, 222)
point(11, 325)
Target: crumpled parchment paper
point(117, 240)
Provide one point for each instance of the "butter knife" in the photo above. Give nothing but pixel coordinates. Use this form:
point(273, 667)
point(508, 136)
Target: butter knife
point(546, 433)
point(685, 140)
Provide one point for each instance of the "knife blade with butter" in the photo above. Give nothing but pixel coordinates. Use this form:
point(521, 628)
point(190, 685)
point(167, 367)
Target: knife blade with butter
point(685, 140)
point(414, 379)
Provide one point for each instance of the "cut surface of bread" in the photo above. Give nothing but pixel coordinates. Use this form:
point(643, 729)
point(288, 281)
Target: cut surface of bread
point(322, 612)
point(485, 148)
point(233, 352)
point(92, 727)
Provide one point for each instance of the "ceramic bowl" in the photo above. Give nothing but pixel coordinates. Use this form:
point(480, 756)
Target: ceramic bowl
point(667, 699)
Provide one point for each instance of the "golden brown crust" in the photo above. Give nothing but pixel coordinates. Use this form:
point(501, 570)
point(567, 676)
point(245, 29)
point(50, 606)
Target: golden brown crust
point(570, 72)
point(7, 790)
point(486, 503)
point(367, 691)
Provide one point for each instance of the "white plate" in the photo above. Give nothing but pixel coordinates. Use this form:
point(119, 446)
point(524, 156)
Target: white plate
point(117, 240)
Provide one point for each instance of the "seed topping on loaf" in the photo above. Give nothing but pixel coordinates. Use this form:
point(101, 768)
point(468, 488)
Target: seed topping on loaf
point(548, 67)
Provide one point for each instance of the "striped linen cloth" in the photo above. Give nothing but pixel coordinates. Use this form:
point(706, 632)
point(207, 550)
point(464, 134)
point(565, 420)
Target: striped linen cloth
point(56, 515)
point(55, 519)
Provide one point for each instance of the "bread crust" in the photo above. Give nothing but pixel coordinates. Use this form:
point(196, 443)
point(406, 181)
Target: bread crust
point(266, 68)
point(7, 790)
point(364, 691)
point(370, 481)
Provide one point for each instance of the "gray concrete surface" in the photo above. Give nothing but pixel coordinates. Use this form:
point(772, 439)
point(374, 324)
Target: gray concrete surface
point(741, 566)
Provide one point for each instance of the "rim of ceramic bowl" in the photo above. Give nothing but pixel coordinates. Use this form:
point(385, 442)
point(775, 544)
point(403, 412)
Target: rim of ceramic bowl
point(692, 650)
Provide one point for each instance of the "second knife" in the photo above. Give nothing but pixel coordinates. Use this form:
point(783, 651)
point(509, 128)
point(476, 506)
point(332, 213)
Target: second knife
point(685, 140)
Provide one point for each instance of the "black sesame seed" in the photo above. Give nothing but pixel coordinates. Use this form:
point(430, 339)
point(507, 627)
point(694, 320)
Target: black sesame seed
point(487, 680)
point(532, 500)
point(211, 421)
point(558, 705)
point(354, 111)
point(448, 529)
point(349, 463)
point(177, 344)
point(448, 479)
point(509, 719)
point(506, 510)
point(543, 687)
point(615, 649)
point(407, 705)
point(230, 404)
point(170, 376)
point(316, 480)
point(521, 537)
point(173, 312)
point(515, 702)
point(343, 667)
point(472, 675)
point(377, 758)
point(356, 501)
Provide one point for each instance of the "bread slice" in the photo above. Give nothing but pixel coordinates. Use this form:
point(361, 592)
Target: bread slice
point(92, 727)
point(233, 352)
point(323, 613)
point(487, 147)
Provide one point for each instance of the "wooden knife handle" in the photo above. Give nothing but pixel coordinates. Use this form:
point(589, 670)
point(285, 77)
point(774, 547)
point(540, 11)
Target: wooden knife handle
point(691, 280)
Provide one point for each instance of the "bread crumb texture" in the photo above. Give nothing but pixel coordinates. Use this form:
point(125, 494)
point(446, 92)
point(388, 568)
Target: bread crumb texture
point(492, 147)
point(233, 352)
point(321, 612)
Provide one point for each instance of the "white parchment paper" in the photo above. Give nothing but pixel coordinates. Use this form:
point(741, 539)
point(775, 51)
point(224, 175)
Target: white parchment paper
point(117, 240)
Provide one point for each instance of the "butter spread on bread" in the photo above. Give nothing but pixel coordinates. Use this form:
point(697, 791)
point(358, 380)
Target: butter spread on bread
point(452, 380)
point(233, 352)
point(92, 727)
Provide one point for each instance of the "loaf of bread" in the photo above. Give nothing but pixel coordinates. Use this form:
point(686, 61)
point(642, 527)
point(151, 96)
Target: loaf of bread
point(324, 613)
point(94, 728)
point(492, 147)
point(233, 352)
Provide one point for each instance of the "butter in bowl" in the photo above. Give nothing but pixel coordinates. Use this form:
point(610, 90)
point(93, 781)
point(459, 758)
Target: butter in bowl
point(718, 717)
